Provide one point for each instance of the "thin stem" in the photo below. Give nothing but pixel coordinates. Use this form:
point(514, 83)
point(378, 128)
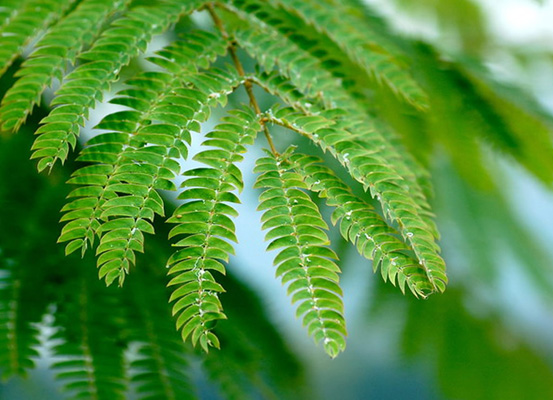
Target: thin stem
point(247, 83)
point(279, 122)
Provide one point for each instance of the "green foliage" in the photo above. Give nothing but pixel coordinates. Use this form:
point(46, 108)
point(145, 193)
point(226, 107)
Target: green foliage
point(58, 47)
point(480, 342)
point(205, 221)
point(363, 227)
point(125, 165)
point(368, 108)
point(90, 366)
point(22, 21)
point(110, 342)
point(126, 37)
point(360, 42)
point(138, 155)
point(304, 260)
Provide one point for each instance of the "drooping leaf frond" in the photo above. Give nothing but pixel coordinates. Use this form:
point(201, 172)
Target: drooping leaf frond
point(58, 47)
point(376, 175)
point(374, 111)
point(205, 222)
point(348, 88)
point(302, 52)
point(361, 225)
point(139, 154)
point(22, 22)
point(304, 260)
point(124, 39)
point(140, 157)
point(273, 49)
point(368, 137)
point(309, 75)
point(134, 321)
point(362, 46)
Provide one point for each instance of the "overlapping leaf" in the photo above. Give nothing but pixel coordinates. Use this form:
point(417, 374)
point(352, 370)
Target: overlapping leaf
point(138, 156)
point(322, 91)
point(365, 47)
point(58, 47)
point(22, 24)
point(348, 76)
point(118, 197)
point(124, 39)
point(352, 88)
point(376, 175)
point(361, 225)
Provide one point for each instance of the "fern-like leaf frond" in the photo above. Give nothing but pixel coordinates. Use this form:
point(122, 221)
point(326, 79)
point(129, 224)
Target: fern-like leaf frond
point(368, 167)
point(363, 227)
point(271, 48)
point(58, 47)
point(118, 199)
point(23, 24)
point(304, 260)
point(321, 90)
point(124, 39)
point(323, 72)
point(416, 177)
point(362, 46)
point(206, 224)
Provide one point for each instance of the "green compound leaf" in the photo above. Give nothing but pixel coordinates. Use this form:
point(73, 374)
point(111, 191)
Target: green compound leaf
point(126, 37)
point(205, 227)
point(368, 166)
point(363, 227)
point(364, 46)
point(58, 47)
point(118, 197)
point(304, 82)
point(304, 261)
point(22, 24)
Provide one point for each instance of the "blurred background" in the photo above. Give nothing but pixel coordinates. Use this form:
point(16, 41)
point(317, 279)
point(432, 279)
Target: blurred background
point(488, 337)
